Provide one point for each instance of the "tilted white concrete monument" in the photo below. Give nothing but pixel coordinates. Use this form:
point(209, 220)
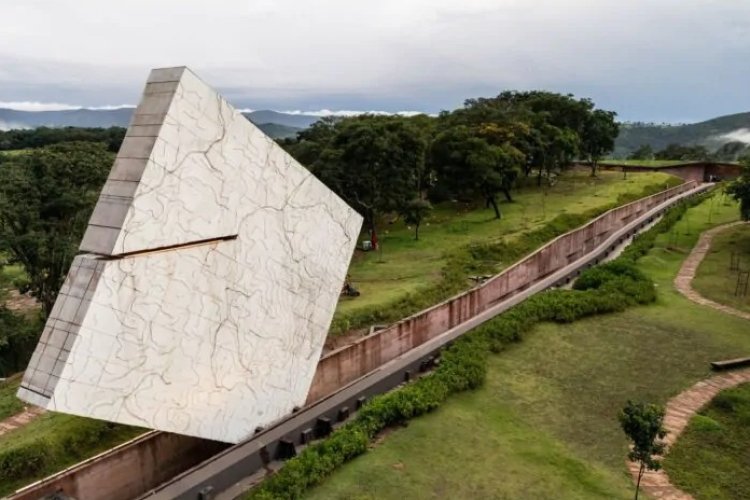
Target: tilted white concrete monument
point(214, 265)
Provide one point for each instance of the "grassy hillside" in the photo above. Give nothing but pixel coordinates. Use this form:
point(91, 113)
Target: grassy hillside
point(406, 266)
point(659, 136)
point(544, 425)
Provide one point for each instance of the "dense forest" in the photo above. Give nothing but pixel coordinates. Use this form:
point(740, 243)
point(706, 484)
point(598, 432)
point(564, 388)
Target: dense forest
point(395, 164)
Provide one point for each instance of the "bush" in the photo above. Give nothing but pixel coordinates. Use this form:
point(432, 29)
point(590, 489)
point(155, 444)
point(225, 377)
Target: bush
point(24, 461)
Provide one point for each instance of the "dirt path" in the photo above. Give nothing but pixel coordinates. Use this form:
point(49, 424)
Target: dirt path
point(678, 413)
point(683, 281)
point(20, 419)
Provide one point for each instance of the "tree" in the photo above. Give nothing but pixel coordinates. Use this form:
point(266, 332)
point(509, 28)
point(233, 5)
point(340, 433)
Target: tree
point(739, 189)
point(644, 152)
point(374, 163)
point(599, 134)
point(469, 166)
point(46, 199)
point(643, 424)
point(414, 213)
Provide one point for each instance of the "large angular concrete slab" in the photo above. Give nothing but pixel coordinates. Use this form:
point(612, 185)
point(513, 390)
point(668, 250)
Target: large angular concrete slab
point(214, 263)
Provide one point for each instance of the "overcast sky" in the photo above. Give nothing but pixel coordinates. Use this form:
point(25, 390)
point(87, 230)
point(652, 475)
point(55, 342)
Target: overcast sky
point(660, 60)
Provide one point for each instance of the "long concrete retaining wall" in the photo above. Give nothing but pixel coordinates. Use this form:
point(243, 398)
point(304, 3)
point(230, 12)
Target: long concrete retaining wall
point(348, 363)
point(134, 467)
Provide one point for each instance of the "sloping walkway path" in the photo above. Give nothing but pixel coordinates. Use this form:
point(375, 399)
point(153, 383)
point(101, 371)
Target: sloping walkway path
point(20, 419)
point(684, 279)
point(678, 413)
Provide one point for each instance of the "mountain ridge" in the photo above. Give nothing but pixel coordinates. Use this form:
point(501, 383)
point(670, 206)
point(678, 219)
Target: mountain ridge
point(711, 133)
point(274, 123)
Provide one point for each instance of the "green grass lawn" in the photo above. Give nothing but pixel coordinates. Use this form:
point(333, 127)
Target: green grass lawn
point(544, 425)
point(646, 163)
point(405, 265)
point(714, 278)
point(9, 403)
point(711, 459)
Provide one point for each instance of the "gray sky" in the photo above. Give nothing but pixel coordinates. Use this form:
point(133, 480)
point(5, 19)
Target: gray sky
point(660, 60)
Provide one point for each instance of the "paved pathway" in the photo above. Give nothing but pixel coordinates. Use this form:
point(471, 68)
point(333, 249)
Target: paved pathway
point(20, 419)
point(683, 281)
point(678, 412)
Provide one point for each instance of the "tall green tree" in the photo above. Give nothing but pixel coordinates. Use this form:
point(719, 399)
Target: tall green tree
point(46, 199)
point(739, 189)
point(643, 424)
point(598, 139)
point(415, 211)
point(472, 167)
point(374, 163)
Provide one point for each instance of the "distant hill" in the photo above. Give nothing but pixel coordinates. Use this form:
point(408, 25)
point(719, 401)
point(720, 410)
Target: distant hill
point(11, 118)
point(273, 123)
point(711, 133)
point(286, 119)
point(277, 131)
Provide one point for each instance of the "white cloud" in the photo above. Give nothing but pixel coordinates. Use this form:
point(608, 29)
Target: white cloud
point(739, 135)
point(52, 106)
point(417, 54)
point(36, 106)
point(348, 112)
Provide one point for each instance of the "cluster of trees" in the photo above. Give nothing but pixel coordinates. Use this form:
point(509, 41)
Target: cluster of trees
point(395, 164)
point(729, 151)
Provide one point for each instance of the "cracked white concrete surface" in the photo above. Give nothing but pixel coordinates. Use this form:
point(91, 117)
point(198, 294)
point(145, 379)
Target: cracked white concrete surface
point(214, 267)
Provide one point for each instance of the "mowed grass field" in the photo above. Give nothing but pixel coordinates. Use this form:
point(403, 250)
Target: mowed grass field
point(714, 278)
point(712, 457)
point(404, 265)
point(545, 424)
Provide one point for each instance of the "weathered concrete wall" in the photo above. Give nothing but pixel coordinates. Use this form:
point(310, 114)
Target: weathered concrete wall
point(128, 470)
point(346, 364)
point(723, 171)
point(696, 172)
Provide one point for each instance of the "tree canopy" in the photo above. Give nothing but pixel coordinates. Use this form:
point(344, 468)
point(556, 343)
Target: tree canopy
point(391, 164)
point(46, 199)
